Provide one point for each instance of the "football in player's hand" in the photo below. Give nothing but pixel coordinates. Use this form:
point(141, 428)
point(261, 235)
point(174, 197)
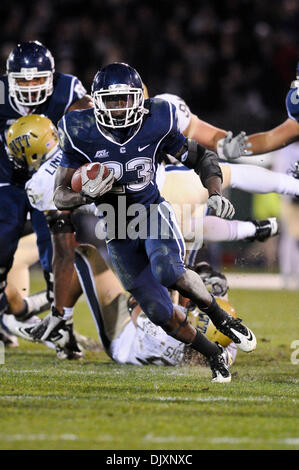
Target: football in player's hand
point(92, 171)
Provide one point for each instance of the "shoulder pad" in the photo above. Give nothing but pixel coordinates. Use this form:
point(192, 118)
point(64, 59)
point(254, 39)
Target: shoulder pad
point(80, 122)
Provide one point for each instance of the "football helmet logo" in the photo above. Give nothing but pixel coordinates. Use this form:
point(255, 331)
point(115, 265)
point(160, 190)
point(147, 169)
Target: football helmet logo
point(30, 140)
point(201, 321)
point(30, 69)
point(118, 97)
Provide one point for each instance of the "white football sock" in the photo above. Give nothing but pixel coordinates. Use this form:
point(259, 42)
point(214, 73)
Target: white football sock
point(68, 312)
point(256, 179)
point(216, 229)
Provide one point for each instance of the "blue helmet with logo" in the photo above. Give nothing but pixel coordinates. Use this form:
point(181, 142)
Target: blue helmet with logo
point(118, 98)
point(32, 62)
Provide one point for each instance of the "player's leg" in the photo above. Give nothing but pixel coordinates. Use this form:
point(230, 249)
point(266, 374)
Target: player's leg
point(143, 279)
point(25, 307)
point(216, 229)
point(105, 295)
point(25, 256)
point(13, 210)
point(256, 179)
point(167, 263)
point(45, 249)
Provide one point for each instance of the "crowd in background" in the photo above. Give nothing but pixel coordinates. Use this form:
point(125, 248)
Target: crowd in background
point(219, 56)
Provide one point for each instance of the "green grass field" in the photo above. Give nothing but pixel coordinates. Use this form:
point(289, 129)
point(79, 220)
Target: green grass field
point(96, 404)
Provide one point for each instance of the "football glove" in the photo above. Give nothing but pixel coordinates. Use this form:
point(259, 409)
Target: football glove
point(98, 186)
point(220, 206)
point(230, 148)
point(48, 328)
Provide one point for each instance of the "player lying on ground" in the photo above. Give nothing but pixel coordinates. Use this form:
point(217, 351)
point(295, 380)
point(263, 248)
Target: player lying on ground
point(127, 335)
point(276, 138)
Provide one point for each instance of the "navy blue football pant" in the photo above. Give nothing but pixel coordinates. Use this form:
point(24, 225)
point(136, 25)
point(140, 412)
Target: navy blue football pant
point(14, 207)
point(148, 266)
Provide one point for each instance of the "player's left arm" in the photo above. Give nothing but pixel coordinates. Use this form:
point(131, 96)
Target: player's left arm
point(205, 163)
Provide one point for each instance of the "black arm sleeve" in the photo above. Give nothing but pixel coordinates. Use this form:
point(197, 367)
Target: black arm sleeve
point(204, 162)
point(60, 222)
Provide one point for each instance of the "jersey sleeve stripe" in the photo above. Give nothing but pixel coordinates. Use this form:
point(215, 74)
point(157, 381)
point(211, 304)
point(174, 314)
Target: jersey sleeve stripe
point(71, 94)
point(165, 135)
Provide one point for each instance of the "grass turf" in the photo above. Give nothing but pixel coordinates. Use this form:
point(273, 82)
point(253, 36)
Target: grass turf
point(96, 404)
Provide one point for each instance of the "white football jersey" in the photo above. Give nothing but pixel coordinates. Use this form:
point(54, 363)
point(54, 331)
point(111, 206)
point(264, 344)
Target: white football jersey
point(182, 109)
point(184, 118)
point(40, 187)
point(146, 344)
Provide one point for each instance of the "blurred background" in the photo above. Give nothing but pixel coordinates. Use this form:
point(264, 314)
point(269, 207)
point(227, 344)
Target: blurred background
point(232, 61)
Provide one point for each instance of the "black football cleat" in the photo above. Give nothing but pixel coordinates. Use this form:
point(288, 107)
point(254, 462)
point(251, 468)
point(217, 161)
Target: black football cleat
point(242, 336)
point(219, 365)
point(264, 229)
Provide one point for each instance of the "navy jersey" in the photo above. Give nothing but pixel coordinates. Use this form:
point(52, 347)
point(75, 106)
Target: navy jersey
point(67, 90)
point(292, 103)
point(133, 162)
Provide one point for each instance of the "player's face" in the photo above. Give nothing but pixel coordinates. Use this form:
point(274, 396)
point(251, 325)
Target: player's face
point(34, 82)
point(119, 103)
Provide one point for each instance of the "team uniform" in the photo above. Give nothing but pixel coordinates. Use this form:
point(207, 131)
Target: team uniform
point(151, 261)
point(15, 205)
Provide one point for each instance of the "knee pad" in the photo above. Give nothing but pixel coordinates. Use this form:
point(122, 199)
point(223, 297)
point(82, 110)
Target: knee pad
point(60, 222)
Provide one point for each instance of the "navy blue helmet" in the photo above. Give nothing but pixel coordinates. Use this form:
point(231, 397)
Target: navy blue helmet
point(30, 62)
point(118, 98)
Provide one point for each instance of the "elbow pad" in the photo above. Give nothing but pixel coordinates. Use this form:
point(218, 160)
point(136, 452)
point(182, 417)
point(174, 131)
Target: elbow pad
point(60, 222)
point(204, 162)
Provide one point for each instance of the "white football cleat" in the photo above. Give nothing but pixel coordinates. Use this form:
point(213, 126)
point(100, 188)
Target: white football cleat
point(20, 328)
point(242, 336)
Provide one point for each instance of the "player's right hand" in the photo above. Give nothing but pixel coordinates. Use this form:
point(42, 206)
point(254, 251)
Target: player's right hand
point(231, 148)
point(48, 328)
point(98, 186)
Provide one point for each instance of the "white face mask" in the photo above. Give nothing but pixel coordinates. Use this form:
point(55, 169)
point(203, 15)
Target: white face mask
point(118, 107)
point(30, 95)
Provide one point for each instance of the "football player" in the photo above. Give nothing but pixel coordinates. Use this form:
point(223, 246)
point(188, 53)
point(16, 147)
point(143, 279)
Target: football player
point(30, 86)
point(126, 134)
point(40, 188)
